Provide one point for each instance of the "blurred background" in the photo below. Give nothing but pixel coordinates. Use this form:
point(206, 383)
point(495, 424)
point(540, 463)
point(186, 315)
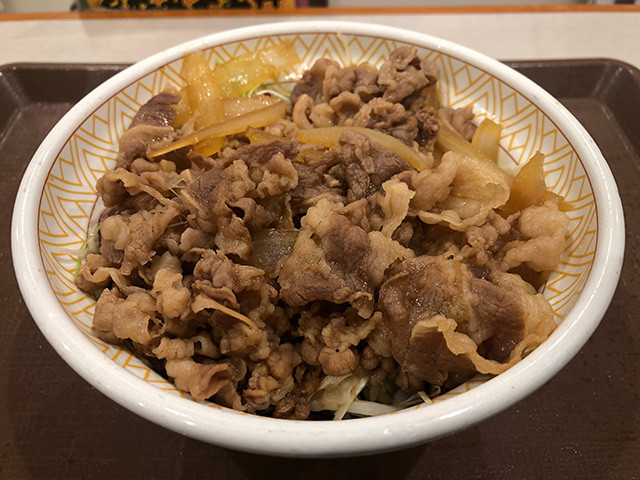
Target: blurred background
point(33, 6)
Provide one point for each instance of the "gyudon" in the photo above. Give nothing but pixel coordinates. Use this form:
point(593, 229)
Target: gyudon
point(349, 245)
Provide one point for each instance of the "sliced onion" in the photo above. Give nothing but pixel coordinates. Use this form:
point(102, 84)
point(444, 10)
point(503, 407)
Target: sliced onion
point(236, 106)
point(529, 188)
point(258, 118)
point(486, 138)
point(243, 73)
point(450, 140)
point(330, 136)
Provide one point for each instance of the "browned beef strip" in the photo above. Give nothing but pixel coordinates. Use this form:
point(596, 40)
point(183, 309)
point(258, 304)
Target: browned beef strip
point(389, 118)
point(428, 287)
point(428, 127)
point(261, 153)
point(344, 247)
point(367, 165)
point(311, 81)
point(158, 111)
point(215, 184)
point(332, 260)
point(461, 119)
point(356, 169)
point(405, 74)
point(135, 142)
point(226, 199)
point(153, 122)
point(315, 181)
point(327, 80)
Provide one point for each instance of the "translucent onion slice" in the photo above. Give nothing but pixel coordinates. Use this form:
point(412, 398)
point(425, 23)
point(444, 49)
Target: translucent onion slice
point(450, 140)
point(487, 138)
point(201, 97)
point(236, 106)
point(330, 136)
point(231, 107)
point(257, 118)
point(529, 189)
point(260, 136)
point(243, 73)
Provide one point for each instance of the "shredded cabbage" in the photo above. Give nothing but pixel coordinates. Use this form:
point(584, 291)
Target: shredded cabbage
point(337, 394)
point(340, 395)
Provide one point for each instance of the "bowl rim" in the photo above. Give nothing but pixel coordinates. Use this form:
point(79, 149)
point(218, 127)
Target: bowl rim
point(409, 427)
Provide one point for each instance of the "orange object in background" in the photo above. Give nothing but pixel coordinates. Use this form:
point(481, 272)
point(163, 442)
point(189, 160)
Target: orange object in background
point(191, 4)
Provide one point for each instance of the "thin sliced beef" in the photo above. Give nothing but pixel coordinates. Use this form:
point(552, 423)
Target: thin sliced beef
point(327, 260)
point(317, 179)
point(158, 111)
point(447, 324)
point(135, 142)
point(327, 80)
point(367, 165)
point(151, 124)
point(336, 260)
point(389, 118)
point(312, 80)
point(461, 119)
point(405, 74)
point(224, 199)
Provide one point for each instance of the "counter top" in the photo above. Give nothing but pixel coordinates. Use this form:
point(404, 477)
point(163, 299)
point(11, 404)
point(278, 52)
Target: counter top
point(507, 33)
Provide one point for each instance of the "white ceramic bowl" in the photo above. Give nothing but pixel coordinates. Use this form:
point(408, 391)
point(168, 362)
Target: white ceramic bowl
point(58, 191)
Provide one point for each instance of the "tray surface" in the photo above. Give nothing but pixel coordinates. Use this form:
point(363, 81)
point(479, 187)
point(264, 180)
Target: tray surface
point(584, 423)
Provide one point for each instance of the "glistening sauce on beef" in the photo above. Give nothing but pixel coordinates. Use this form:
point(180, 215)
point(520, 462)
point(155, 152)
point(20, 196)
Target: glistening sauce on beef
point(275, 275)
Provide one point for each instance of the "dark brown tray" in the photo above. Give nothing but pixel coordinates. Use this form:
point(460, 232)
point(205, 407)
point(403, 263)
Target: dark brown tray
point(583, 424)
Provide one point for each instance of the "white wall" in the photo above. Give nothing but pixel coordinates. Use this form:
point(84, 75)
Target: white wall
point(22, 6)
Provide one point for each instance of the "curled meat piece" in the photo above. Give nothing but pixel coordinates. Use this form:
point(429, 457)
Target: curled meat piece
point(133, 317)
point(203, 381)
point(544, 228)
point(387, 117)
point(158, 111)
point(172, 298)
point(242, 288)
point(405, 74)
point(138, 140)
point(272, 380)
point(336, 260)
point(447, 324)
point(312, 80)
point(460, 119)
point(367, 165)
point(135, 235)
point(460, 192)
